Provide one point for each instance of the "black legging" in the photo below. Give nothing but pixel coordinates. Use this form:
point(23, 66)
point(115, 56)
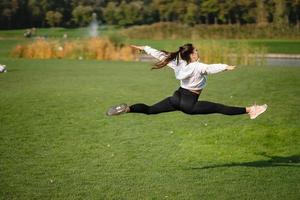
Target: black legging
point(187, 102)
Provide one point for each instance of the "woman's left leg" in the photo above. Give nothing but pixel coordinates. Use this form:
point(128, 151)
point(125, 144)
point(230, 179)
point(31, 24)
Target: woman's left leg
point(206, 107)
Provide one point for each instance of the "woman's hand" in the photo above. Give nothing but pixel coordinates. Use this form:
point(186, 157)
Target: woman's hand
point(230, 67)
point(141, 48)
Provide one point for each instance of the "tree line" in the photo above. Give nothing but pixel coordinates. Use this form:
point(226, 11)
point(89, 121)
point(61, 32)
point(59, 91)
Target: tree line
point(78, 13)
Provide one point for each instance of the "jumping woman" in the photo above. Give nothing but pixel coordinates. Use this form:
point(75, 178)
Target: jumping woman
point(193, 76)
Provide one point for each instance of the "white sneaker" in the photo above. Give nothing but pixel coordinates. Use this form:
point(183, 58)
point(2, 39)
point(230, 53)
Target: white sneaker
point(117, 110)
point(255, 110)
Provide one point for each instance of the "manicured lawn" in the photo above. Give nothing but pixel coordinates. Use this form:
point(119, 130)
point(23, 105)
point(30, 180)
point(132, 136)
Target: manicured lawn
point(57, 143)
point(279, 46)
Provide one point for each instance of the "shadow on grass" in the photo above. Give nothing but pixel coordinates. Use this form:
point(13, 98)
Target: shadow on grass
point(273, 161)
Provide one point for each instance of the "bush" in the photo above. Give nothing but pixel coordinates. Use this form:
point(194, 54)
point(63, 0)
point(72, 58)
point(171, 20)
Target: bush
point(117, 39)
point(104, 49)
point(94, 48)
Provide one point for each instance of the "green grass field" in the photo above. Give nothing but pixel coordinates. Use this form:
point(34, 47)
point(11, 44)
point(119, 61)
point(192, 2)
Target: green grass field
point(57, 143)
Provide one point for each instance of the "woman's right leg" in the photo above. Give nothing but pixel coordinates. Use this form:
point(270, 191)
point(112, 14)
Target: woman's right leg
point(165, 105)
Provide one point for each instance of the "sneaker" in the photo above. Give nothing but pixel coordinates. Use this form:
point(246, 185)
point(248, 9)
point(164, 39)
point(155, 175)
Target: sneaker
point(117, 110)
point(255, 110)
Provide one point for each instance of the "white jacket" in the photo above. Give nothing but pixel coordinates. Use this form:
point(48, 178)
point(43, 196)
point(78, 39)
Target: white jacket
point(192, 76)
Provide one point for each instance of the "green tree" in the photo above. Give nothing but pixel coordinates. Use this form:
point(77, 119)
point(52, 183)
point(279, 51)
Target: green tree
point(150, 14)
point(227, 11)
point(7, 14)
point(192, 14)
point(280, 14)
point(53, 18)
point(261, 13)
point(82, 15)
point(29, 13)
point(293, 11)
point(130, 14)
point(177, 10)
point(164, 9)
point(109, 13)
point(38, 9)
point(210, 10)
point(8, 10)
point(125, 14)
point(247, 12)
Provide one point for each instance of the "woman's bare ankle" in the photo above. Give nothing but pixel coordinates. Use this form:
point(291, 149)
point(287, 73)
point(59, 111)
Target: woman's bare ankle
point(248, 109)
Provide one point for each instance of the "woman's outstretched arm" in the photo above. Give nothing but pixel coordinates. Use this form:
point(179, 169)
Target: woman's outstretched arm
point(156, 54)
point(138, 47)
point(151, 51)
point(214, 68)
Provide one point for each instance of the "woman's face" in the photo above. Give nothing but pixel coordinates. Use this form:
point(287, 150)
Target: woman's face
point(194, 56)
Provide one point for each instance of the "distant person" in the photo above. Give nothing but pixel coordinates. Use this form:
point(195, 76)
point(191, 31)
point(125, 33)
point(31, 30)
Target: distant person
point(28, 33)
point(193, 77)
point(3, 68)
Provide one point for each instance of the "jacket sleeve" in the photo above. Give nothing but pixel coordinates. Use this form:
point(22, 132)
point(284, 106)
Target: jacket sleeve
point(210, 68)
point(159, 55)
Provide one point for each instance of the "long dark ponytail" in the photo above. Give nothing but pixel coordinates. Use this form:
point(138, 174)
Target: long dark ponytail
point(183, 53)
